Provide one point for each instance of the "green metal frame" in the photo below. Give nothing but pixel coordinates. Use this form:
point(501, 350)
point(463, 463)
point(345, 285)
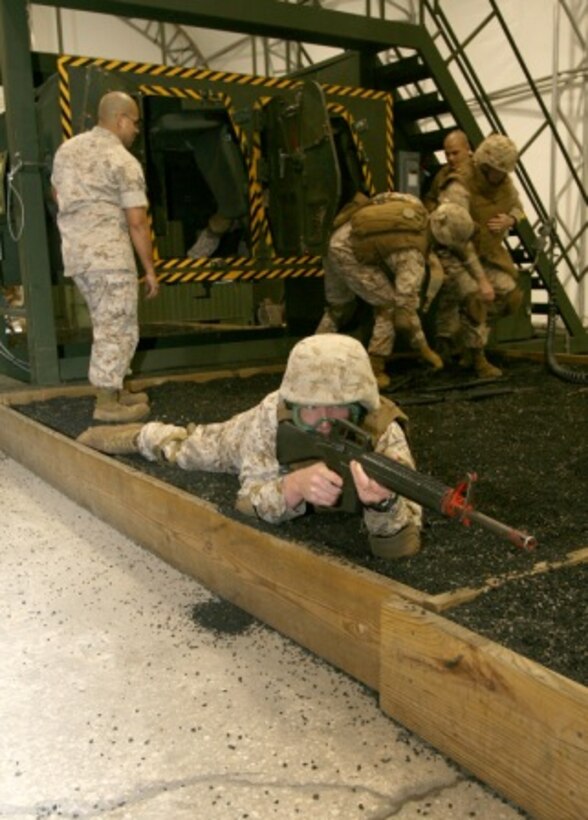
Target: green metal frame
point(543, 265)
point(66, 362)
point(23, 145)
point(263, 18)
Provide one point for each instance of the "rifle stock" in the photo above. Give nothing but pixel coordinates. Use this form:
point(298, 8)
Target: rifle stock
point(346, 442)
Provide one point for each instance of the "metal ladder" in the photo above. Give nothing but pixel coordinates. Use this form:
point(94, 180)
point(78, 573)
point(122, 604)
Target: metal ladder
point(429, 104)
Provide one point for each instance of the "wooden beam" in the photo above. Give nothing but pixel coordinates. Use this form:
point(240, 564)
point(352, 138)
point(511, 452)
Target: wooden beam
point(448, 600)
point(329, 607)
point(25, 395)
point(518, 726)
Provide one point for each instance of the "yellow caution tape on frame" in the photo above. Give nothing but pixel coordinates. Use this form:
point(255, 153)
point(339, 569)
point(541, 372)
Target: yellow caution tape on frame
point(230, 269)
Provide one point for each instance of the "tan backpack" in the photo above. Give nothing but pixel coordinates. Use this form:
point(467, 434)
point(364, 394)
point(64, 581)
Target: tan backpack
point(378, 230)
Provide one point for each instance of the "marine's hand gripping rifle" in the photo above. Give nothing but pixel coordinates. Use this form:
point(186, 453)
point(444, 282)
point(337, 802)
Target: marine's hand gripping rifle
point(346, 442)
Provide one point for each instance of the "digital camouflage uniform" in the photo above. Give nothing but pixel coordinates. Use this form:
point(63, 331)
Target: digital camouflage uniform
point(246, 445)
point(392, 285)
point(321, 371)
point(96, 179)
point(460, 309)
point(210, 237)
point(454, 316)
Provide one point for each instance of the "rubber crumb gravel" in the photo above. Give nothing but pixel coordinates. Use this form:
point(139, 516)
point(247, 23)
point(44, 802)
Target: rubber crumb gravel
point(525, 437)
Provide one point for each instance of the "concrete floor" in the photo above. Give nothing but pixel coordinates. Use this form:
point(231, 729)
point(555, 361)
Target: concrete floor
point(117, 703)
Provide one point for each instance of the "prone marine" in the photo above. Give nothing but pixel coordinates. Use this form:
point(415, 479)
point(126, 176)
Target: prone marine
point(327, 377)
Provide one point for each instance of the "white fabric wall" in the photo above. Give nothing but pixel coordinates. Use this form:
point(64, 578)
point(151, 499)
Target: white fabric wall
point(530, 21)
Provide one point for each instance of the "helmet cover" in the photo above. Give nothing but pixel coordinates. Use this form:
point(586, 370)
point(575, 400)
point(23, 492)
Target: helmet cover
point(498, 152)
point(451, 225)
point(327, 369)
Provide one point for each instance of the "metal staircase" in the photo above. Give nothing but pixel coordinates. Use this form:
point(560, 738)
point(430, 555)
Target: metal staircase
point(431, 85)
point(429, 104)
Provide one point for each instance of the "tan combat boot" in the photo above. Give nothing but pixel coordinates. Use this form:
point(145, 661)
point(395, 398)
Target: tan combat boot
point(428, 355)
point(484, 369)
point(110, 408)
point(401, 545)
point(379, 367)
point(128, 398)
point(117, 440)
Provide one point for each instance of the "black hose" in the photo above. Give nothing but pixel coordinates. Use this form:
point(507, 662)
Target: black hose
point(565, 373)
point(546, 233)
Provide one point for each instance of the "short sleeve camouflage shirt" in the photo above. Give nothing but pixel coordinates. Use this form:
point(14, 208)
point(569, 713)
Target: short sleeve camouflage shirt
point(96, 178)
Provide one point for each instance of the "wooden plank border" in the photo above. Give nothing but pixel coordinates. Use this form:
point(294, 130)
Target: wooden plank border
point(464, 595)
point(517, 725)
point(328, 606)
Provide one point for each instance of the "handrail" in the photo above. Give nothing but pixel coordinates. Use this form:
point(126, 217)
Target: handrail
point(459, 56)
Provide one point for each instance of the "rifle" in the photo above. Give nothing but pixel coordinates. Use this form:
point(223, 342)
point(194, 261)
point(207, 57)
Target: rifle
point(346, 442)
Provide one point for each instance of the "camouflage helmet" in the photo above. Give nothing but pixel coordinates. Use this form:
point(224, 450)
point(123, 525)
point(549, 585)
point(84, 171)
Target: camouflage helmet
point(329, 368)
point(498, 152)
point(451, 225)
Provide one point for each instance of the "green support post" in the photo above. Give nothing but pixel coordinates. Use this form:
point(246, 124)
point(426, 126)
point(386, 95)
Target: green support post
point(23, 147)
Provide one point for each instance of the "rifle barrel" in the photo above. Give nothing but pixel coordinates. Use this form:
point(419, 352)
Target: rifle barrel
point(434, 494)
point(338, 449)
point(517, 537)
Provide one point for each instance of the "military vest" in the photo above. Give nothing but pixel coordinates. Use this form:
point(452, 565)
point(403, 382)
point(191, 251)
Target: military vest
point(380, 229)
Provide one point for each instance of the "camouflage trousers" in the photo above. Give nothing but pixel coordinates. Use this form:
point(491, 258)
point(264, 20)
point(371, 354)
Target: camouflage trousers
point(111, 297)
point(395, 303)
point(214, 447)
point(454, 319)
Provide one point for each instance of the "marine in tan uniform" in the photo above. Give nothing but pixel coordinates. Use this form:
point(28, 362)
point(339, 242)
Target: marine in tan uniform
point(377, 253)
point(484, 187)
point(457, 151)
point(99, 187)
point(461, 309)
point(326, 377)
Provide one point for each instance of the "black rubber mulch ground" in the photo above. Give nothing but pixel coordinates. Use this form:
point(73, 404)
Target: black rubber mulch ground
point(524, 435)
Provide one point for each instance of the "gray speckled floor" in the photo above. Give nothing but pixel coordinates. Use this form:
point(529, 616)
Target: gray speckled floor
point(117, 703)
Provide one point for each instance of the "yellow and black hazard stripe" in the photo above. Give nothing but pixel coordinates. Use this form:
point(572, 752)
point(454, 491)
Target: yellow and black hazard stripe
point(260, 232)
point(341, 111)
point(258, 225)
point(389, 142)
point(172, 271)
point(237, 269)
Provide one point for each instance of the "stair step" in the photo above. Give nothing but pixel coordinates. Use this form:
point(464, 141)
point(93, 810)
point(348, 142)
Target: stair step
point(417, 108)
point(401, 72)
